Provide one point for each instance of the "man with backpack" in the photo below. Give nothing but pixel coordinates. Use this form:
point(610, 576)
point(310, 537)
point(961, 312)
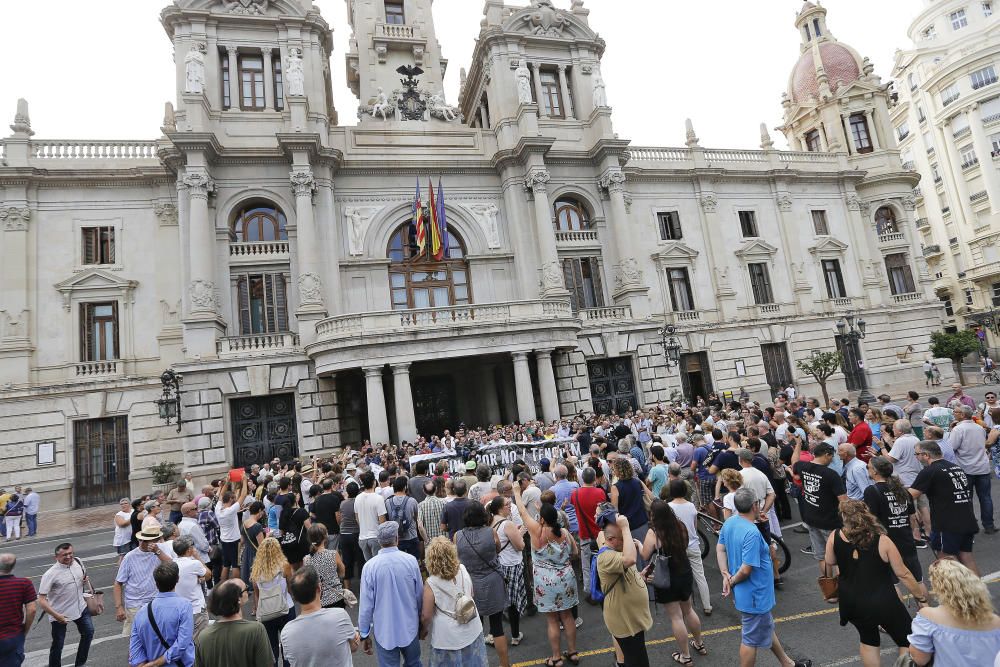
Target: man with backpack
point(402, 508)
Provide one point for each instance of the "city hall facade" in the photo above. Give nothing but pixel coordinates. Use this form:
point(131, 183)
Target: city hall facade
point(265, 251)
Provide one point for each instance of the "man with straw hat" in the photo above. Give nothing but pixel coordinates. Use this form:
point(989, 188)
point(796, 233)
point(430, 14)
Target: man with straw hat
point(134, 584)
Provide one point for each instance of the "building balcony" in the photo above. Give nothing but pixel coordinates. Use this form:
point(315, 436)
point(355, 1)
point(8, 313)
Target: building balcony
point(964, 132)
point(992, 118)
point(262, 252)
point(766, 311)
point(689, 317)
point(256, 345)
point(906, 298)
point(923, 223)
point(892, 240)
point(839, 304)
point(918, 193)
point(983, 271)
point(577, 238)
point(970, 164)
point(908, 165)
point(979, 198)
point(932, 251)
point(399, 36)
point(608, 315)
point(425, 334)
point(96, 370)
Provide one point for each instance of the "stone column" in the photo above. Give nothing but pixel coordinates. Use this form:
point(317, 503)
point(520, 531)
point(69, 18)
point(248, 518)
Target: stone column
point(234, 78)
point(537, 71)
point(547, 385)
point(269, 101)
point(567, 100)
point(406, 421)
point(484, 119)
point(15, 293)
point(201, 232)
point(378, 422)
point(873, 130)
point(628, 285)
point(311, 304)
point(984, 150)
point(552, 283)
point(522, 387)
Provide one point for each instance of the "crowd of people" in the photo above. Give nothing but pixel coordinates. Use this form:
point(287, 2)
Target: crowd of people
point(443, 541)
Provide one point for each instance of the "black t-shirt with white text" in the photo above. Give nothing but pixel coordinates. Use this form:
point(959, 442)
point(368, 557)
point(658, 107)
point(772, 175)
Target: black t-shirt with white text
point(822, 488)
point(947, 488)
point(894, 515)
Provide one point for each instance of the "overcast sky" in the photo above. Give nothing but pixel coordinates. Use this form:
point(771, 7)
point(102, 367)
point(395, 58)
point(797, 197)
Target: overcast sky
point(100, 70)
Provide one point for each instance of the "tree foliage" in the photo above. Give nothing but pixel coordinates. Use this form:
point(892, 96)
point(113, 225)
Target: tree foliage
point(821, 366)
point(954, 346)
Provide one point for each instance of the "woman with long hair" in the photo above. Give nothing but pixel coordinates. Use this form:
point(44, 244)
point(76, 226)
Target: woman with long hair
point(294, 522)
point(628, 495)
point(478, 546)
point(867, 557)
point(453, 644)
point(350, 549)
point(963, 629)
point(252, 534)
point(271, 570)
point(555, 582)
point(511, 562)
point(668, 539)
point(328, 566)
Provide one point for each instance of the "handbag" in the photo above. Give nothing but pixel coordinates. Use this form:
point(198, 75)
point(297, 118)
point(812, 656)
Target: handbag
point(829, 586)
point(906, 661)
point(465, 606)
point(271, 603)
point(661, 571)
point(93, 598)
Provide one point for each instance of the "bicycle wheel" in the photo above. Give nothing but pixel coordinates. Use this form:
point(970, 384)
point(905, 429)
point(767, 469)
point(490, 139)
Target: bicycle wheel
point(705, 544)
point(784, 555)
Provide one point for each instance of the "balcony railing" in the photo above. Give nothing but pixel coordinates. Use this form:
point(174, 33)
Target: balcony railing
point(891, 237)
point(396, 31)
point(55, 149)
point(908, 165)
point(906, 298)
point(577, 236)
point(763, 311)
point(964, 132)
point(903, 135)
point(983, 271)
point(945, 210)
point(259, 250)
point(607, 314)
point(977, 196)
point(992, 118)
point(258, 344)
point(969, 164)
point(96, 369)
point(918, 193)
point(989, 81)
point(923, 223)
point(932, 250)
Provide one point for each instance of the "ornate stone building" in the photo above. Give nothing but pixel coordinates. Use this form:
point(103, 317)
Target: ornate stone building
point(265, 251)
point(947, 122)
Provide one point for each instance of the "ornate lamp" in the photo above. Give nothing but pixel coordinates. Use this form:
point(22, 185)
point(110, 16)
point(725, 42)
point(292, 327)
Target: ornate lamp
point(169, 404)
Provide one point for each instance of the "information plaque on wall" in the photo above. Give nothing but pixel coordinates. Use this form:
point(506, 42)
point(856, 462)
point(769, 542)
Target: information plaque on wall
point(46, 453)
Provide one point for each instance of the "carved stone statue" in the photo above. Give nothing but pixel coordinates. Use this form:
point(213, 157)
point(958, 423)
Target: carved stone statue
point(169, 119)
point(438, 108)
point(359, 219)
point(246, 7)
point(552, 277)
point(488, 215)
point(310, 289)
point(382, 106)
point(202, 295)
point(523, 76)
point(194, 69)
point(627, 273)
point(295, 74)
point(14, 218)
point(600, 90)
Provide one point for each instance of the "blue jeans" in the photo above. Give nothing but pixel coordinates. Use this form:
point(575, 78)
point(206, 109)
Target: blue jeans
point(32, 521)
point(12, 651)
point(390, 657)
point(86, 627)
point(981, 483)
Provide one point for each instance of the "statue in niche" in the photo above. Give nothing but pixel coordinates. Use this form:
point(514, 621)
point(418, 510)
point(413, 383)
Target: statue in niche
point(600, 91)
point(295, 74)
point(194, 70)
point(359, 217)
point(382, 105)
point(523, 76)
point(489, 215)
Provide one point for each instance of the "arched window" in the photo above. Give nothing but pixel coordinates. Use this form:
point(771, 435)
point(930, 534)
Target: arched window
point(571, 215)
point(417, 281)
point(259, 222)
point(885, 221)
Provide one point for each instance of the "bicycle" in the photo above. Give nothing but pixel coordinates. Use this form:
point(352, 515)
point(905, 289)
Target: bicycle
point(991, 377)
point(709, 525)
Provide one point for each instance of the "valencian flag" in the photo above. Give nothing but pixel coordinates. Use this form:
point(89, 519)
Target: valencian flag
point(443, 223)
point(436, 249)
point(418, 221)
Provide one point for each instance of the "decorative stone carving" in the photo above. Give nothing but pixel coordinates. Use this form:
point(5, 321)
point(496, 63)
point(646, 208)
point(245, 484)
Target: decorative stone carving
point(199, 184)
point(709, 202)
point(359, 218)
point(853, 203)
point(909, 202)
point(440, 109)
point(600, 90)
point(14, 326)
point(488, 216)
point(784, 202)
point(692, 138)
point(613, 181)
point(410, 101)
point(303, 183)
point(194, 70)
point(381, 106)
point(866, 208)
point(418, 54)
point(766, 143)
point(627, 274)
point(246, 7)
point(546, 20)
point(14, 218)
point(171, 313)
point(22, 119)
point(167, 213)
point(310, 289)
point(382, 52)
point(870, 273)
point(523, 76)
point(169, 119)
point(627, 196)
point(587, 69)
point(551, 277)
point(536, 181)
point(202, 295)
point(294, 73)
point(488, 71)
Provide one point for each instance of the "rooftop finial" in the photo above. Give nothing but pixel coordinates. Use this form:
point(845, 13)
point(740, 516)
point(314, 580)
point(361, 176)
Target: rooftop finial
point(765, 138)
point(692, 138)
point(22, 120)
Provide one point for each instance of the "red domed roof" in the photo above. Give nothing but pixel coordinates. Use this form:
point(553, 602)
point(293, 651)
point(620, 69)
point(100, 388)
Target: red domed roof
point(838, 62)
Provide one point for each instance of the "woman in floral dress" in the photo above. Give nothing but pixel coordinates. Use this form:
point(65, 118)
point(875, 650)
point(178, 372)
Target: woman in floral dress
point(555, 582)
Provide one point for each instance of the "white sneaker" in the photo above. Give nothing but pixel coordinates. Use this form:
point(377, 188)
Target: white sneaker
point(489, 640)
point(514, 641)
point(579, 621)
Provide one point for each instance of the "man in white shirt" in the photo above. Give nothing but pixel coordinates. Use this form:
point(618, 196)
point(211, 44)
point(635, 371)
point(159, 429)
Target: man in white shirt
point(781, 427)
point(60, 595)
point(192, 573)
point(229, 530)
point(369, 507)
point(32, 501)
point(189, 527)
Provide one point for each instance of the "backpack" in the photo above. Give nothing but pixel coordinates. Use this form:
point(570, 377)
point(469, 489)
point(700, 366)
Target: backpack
point(596, 594)
point(271, 603)
point(465, 606)
point(398, 514)
point(713, 453)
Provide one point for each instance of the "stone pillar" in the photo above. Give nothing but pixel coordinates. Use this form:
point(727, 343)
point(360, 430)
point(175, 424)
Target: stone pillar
point(234, 78)
point(311, 304)
point(537, 71)
point(201, 250)
point(522, 387)
point(552, 283)
point(269, 101)
point(378, 422)
point(629, 286)
point(484, 120)
point(406, 421)
point(723, 271)
point(547, 385)
point(953, 156)
point(984, 150)
point(873, 130)
point(567, 100)
point(15, 295)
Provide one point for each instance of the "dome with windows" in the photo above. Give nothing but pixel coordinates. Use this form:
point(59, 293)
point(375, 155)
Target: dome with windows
point(821, 53)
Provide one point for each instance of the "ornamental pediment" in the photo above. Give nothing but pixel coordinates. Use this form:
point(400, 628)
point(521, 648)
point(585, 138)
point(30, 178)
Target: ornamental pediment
point(676, 252)
point(247, 7)
point(828, 246)
point(756, 249)
point(95, 280)
point(543, 19)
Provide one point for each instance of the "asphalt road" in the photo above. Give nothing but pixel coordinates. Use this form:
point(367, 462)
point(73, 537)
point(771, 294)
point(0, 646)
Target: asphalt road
point(807, 626)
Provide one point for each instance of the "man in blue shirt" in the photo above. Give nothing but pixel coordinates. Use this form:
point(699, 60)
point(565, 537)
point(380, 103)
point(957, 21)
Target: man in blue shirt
point(174, 619)
point(745, 563)
point(563, 488)
point(392, 594)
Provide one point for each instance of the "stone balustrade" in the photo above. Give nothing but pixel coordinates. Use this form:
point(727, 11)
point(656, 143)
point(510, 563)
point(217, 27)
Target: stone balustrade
point(981, 271)
point(93, 150)
point(259, 250)
point(258, 344)
point(891, 237)
point(395, 31)
point(734, 155)
point(906, 298)
point(607, 314)
point(95, 369)
point(577, 236)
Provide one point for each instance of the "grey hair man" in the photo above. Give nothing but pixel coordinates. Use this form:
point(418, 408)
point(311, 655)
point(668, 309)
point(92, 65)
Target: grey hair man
point(968, 440)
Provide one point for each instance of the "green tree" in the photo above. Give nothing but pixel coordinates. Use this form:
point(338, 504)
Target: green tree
point(954, 346)
point(821, 366)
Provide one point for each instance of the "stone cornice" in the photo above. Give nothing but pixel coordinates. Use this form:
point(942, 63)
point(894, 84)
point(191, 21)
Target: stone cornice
point(519, 155)
point(197, 141)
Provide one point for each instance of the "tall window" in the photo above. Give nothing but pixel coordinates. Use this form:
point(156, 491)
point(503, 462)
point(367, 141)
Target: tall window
point(903, 131)
point(987, 9)
point(552, 100)
point(900, 276)
point(995, 144)
point(394, 12)
point(968, 156)
point(98, 245)
point(279, 83)
point(860, 134)
point(760, 281)
point(813, 144)
point(670, 225)
point(969, 299)
point(417, 281)
point(251, 82)
point(834, 279)
point(258, 223)
point(912, 78)
point(958, 20)
point(99, 331)
point(681, 297)
point(983, 77)
point(949, 310)
point(949, 94)
point(583, 280)
point(995, 287)
point(936, 173)
point(263, 303)
point(571, 216)
point(748, 224)
point(820, 225)
point(227, 101)
point(885, 221)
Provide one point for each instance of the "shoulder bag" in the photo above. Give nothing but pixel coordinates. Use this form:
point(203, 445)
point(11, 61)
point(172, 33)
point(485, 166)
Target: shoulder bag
point(661, 570)
point(828, 585)
point(465, 606)
point(93, 598)
point(156, 630)
point(271, 603)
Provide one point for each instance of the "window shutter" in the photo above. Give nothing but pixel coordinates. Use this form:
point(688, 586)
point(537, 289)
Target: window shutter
point(595, 272)
point(89, 246)
point(111, 245)
point(270, 324)
point(280, 303)
point(908, 279)
point(86, 332)
point(578, 285)
point(243, 297)
point(115, 327)
point(570, 283)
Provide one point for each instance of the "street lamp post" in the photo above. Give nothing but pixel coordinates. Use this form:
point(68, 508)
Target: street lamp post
point(852, 331)
point(169, 404)
point(671, 345)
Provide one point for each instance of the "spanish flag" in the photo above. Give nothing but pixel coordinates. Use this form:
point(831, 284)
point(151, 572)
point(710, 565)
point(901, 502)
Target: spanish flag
point(418, 220)
point(436, 248)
